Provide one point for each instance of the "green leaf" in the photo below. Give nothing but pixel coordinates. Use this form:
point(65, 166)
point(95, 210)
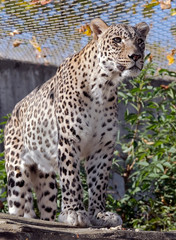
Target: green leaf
point(142, 163)
point(167, 164)
point(164, 177)
point(137, 189)
point(172, 150)
point(159, 165)
point(171, 93)
point(128, 149)
point(153, 175)
point(142, 156)
point(158, 143)
point(121, 94)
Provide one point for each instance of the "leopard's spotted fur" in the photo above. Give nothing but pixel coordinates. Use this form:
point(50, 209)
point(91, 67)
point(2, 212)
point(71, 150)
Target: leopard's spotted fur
point(72, 116)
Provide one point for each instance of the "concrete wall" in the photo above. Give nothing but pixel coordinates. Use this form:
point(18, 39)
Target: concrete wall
point(17, 79)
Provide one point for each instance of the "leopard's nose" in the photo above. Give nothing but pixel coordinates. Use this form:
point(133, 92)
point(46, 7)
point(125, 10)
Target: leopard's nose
point(135, 57)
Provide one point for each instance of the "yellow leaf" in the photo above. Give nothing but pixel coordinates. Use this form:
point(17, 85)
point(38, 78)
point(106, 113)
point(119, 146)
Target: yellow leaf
point(173, 12)
point(35, 44)
point(170, 58)
point(88, 31)
point(85, 30)
point(152, 4)
point(133, 8)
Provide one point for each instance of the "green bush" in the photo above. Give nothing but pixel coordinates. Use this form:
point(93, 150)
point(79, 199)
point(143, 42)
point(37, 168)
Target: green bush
point(149, 153)
point(3, 177)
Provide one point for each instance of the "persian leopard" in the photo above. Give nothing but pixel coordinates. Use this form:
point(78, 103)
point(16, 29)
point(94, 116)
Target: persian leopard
point(71, 117)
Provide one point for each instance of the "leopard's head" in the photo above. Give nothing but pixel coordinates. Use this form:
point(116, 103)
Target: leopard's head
point(120, 46)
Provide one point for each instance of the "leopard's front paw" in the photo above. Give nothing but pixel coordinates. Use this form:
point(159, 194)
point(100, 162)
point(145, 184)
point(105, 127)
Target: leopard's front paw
point(75, 218)
point(106, 219)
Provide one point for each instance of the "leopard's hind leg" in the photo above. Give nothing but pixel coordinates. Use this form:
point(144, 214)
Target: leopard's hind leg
point(20, 199)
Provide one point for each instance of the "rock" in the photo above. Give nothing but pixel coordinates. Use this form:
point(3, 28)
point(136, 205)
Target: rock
point(18, 228)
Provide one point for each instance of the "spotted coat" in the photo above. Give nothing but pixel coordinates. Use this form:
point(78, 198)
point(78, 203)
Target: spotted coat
point(72, 117)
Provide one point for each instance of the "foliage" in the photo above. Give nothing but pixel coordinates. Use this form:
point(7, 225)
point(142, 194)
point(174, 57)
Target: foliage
point(3, 177)
point(149, 152)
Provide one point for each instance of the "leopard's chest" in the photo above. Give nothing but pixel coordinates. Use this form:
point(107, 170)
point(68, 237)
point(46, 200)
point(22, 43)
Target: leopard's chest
point(98, 126)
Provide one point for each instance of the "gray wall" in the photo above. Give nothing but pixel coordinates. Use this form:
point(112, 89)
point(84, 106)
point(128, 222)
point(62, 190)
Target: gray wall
point(17, 79)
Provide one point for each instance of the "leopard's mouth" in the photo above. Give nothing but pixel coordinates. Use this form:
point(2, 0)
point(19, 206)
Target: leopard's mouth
point(135, 67)
point(122, 68)
point(133, 71)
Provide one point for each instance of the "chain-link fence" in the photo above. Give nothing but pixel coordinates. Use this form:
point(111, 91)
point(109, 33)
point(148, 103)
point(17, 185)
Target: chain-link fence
point(46, 31)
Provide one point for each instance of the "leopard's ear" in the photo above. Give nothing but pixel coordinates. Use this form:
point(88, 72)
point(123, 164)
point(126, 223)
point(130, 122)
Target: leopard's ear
point(97, 27)
point(143, 28)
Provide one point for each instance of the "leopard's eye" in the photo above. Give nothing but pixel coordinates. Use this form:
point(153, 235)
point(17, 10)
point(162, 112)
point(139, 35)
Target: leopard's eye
point(140, 40)
point(117, 40)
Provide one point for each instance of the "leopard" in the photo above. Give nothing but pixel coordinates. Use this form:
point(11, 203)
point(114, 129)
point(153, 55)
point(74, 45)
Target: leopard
point(70, 119)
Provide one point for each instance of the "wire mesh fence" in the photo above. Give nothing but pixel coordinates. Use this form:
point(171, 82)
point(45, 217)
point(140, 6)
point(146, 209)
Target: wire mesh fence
point(46, 31)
